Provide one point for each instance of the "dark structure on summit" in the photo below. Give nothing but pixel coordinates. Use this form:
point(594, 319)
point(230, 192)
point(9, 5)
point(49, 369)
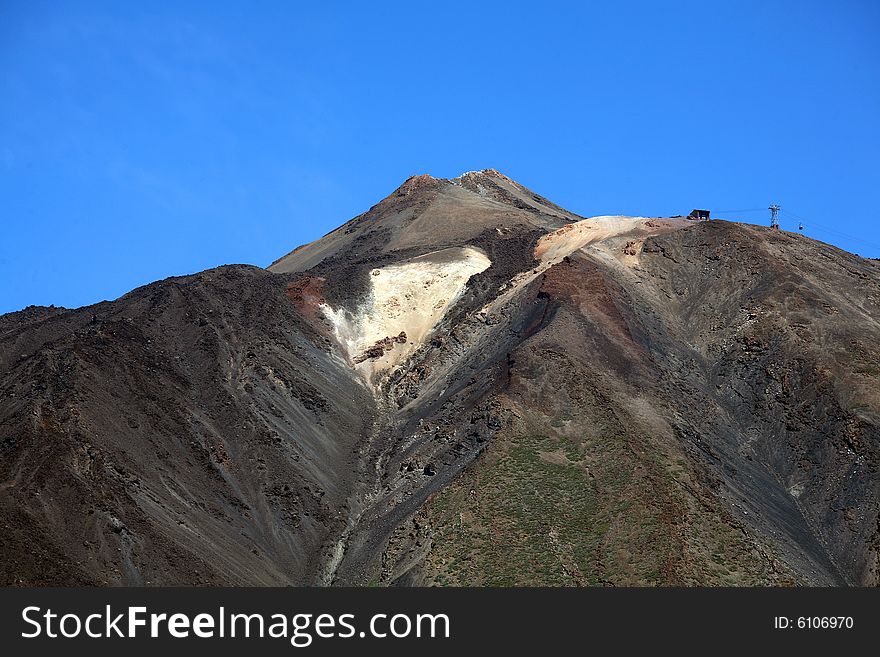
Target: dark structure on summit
point(699, 215)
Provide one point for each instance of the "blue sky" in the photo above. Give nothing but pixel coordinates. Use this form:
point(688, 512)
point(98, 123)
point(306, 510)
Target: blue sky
point(144, 140)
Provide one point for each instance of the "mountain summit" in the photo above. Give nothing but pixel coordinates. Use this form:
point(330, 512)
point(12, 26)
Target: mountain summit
point(465, 385)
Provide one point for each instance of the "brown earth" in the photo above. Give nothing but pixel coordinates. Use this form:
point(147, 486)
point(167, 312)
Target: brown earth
point(613, 401)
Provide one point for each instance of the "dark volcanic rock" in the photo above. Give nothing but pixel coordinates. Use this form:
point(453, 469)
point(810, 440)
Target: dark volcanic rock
point(620, 401)
point(149, 443)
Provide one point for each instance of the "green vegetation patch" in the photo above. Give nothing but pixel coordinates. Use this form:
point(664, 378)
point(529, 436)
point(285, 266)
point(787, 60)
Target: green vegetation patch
point(540, 514)
point(551, 510)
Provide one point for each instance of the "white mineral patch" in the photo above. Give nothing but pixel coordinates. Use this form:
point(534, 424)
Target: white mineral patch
point(409, 297)
point(553, 247)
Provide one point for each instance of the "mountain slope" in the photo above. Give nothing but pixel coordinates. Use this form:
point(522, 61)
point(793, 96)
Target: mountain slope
point(465, 385)
point(709, 401)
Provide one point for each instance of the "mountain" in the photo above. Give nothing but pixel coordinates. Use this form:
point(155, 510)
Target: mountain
point(465, 385)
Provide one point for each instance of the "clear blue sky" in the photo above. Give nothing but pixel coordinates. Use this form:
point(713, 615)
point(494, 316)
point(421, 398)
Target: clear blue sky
point(144, 140)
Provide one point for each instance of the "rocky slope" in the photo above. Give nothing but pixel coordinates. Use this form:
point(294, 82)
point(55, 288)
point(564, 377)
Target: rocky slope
point(465, 385)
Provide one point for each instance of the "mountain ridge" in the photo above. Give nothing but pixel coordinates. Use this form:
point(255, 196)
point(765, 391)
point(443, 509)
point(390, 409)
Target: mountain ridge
point(466, 384)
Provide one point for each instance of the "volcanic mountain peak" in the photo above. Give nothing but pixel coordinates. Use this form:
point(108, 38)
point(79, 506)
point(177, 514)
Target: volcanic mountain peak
point(682, 398)
point(423, 179)
point(414, 183)
point(427, 213)
point(409, 260)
